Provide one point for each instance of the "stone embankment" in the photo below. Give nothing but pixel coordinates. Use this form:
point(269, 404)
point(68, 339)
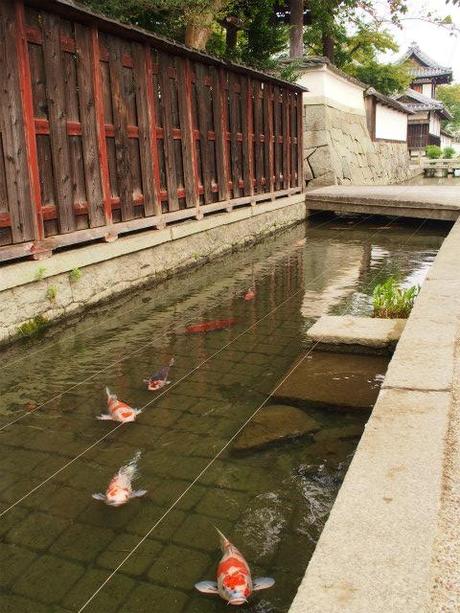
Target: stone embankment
point(66, 284)
point(338, 150)
point(392, 541)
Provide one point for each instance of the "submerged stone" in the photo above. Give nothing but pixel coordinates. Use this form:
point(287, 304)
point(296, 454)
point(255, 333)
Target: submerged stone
point(334, 380)
point(274, 424)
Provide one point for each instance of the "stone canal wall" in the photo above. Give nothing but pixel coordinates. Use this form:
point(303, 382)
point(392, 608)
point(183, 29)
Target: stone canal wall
point(38, 293)
point(392, 540)
point(338, 150)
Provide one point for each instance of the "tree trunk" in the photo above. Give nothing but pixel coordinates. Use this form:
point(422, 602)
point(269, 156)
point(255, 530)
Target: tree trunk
point(296, 29)
point(230, 38)
point(328, 46)
point(197, 36)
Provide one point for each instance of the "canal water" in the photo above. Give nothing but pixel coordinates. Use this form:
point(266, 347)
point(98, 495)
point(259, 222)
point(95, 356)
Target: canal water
point(59, 545)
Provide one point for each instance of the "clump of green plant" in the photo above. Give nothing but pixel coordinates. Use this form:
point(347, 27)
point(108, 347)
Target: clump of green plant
point(448, 153)
point(390, 301)
point(75, 275)
point(39, 273)
point(433, 152)
point(33, 326)
point(51, 293)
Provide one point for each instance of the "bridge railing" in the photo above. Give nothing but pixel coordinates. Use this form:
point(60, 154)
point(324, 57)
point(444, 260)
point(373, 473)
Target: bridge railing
point(107, 129)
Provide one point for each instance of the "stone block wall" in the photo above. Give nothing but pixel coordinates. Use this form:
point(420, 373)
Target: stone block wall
point(338, 150)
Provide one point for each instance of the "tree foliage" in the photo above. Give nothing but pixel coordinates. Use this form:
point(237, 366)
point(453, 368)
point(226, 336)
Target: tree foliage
point(450, 96)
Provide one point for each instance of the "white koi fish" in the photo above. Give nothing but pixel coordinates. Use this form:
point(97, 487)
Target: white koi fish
point(118, 410)
point(160, 378)
point(119, 490)
point(234, 582)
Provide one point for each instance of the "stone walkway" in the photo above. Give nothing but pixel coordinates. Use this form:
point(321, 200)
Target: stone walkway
point(432, 201)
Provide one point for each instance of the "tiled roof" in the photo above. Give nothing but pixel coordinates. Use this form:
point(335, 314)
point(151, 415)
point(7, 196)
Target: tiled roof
point(415, 50)
point(387, 101)
point(423, 103)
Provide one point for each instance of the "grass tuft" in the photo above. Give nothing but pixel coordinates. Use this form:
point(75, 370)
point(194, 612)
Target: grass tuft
point(390, 301)
point(33, 326)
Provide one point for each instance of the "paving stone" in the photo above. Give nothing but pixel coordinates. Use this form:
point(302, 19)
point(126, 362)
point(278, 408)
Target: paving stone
point(179, 567)
point(147, 597)
point(82, 542)
point(16, 604)
point(149, 515)
point(198, 531)
point(108, 599)
point(48, 579)
point(228, 504)
point(37, 531)
point(13, 561)
point(139, 562)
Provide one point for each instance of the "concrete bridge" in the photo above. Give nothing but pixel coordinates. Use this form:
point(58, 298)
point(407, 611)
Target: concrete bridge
point(440, 202)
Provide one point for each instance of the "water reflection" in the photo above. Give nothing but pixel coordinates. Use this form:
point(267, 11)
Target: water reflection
point(60, 544)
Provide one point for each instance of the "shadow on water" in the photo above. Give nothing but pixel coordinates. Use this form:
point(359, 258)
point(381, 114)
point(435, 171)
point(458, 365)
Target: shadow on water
point(58, 545)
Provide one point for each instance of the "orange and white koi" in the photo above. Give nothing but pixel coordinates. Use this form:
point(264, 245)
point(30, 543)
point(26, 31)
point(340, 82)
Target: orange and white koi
point(250, 294)
point(118, 410)
point(160, 378)
point(119, 490)
point(234, 582)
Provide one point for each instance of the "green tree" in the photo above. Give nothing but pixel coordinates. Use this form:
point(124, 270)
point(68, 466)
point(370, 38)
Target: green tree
point(450, 96)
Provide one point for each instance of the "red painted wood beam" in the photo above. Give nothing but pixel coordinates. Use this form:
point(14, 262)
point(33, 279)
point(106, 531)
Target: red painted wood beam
point(28, 115)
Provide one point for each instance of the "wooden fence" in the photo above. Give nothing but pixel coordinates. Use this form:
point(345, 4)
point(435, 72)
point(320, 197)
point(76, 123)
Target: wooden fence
point(106, 129)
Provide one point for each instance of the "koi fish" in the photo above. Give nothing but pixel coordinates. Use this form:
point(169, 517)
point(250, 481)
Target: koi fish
point(159, 379)
point(119, 490)
point(250, 294)
point(234, 583)
point(118, 410)
point(210, 326)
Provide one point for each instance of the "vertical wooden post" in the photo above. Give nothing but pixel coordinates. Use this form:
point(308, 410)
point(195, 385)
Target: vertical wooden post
point(152, 120)
point(285, 139)
point(220, 124)
point(166, 102)
point(300, 179)
point(271, 178)
point(93, 175)
point(188, 138)
point(56, 100)
point(278, 133)
point(248, 148)
point(36, 222)
point(203, 116)
point(100, 124)
point(233, 132)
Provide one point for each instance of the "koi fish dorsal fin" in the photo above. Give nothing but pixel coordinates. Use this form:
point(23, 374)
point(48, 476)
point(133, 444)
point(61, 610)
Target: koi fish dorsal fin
point(110, 396)
point(207, 587)
point(262, 583)
point(224, 542)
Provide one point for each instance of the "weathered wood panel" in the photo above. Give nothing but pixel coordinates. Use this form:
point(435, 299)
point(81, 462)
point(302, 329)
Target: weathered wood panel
point(99, 128)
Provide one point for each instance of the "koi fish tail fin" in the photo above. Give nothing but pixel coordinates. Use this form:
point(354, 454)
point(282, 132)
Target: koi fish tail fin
point(110, 396)
point(224, 542)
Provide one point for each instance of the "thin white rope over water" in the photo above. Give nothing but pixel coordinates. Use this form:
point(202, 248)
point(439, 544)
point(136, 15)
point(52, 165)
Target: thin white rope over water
point(197, 478)
point(166, 331)
point(30, 354)
point(161, 394)
point(213, 460)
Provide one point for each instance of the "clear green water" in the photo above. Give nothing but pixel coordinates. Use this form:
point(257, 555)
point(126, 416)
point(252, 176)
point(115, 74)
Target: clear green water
point(58, 545)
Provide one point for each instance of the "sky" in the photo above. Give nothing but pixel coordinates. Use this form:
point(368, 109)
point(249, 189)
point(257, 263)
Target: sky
point(433, 40)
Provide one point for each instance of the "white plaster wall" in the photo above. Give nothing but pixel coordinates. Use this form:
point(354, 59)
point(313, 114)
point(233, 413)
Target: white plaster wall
point(435, 125)
point(426, 89)
point(446, 141)
point(390, 124)
point(328, 87)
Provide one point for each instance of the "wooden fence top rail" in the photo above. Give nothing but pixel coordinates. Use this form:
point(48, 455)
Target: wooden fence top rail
point(73, 11)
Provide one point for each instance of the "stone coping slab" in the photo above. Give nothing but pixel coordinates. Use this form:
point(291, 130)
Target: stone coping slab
point(351, 331)
point(391, 543)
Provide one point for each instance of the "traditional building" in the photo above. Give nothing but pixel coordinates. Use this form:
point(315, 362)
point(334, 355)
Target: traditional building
point(424, 126)
point(427, 74)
